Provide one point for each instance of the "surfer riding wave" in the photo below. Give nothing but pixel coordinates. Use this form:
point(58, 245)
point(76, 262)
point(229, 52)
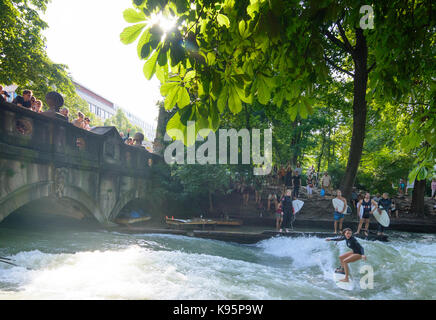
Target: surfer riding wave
point(351, 256)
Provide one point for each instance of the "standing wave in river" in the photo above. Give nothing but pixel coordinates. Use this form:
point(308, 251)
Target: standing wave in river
point(107, 265)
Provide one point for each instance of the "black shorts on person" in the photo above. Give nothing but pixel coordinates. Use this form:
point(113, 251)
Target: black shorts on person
point(365, 215)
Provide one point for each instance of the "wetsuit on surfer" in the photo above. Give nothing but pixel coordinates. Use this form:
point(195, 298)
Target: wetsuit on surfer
point(351, 256)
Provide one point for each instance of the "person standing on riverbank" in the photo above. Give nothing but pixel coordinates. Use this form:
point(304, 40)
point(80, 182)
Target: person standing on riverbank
point(296, 183)
point(356, 254)
point(366, 203)
point(309, 186)
point(278, 214)
point(433, 188)
point(326, 183)
point(386, 204)
point(287, 211)
point(354, 198)
point(339, 214)
point(394, 209)
point(401, 187)
point(298, 169)
point(258, 188)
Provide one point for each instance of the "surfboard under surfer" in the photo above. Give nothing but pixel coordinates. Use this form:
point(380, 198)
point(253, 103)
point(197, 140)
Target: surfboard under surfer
point(356, 254)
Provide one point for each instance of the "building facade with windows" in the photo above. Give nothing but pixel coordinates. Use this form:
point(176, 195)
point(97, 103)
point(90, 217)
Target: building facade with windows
point(105, 109)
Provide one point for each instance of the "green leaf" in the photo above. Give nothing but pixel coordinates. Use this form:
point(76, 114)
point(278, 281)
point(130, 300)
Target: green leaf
point(242, 28)
point(202, 124)
point(175, 128)
point(183, 99)
point(145, 51)
point(235, 104)
point(263, 92)
point(302, 110)
point(223, 20)
point(241, 93)
point(211, 58)
point(130, 34)
point(222, 99)
point(138, 2)
point(150, 65)
point(133, 16)
point(162, 73)
point(422, 174)
point(171, 98)
point(413, 174)
point(167, 87)
point(214, 117)
point(189, 75)
point(252, 8)
point(293, 112)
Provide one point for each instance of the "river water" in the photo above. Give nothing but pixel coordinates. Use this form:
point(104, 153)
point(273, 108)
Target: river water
point(72, 264)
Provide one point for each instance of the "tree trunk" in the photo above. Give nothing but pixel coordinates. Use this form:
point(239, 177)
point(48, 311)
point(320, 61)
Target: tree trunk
point(162, 120)
point(418, 205)
point(360, 55)
point(321, 154)
point(295, 143)
point(329, 149)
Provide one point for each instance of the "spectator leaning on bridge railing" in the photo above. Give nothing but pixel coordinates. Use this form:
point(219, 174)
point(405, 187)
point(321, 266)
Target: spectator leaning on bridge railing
point(65, 112)
point(138, 138)
point(25, 100)
point(80, 121)
point(38, 106)
point(86, 124)
point(3, 94)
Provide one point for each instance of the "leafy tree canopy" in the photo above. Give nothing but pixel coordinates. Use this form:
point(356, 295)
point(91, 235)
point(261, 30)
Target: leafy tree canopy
point(23, 59)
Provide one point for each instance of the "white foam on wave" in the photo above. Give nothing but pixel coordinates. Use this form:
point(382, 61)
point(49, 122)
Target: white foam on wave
point(134, 273)
point(304, 252)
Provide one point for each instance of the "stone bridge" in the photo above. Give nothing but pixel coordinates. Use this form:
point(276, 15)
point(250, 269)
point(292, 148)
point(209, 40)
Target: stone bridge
point(49, 165)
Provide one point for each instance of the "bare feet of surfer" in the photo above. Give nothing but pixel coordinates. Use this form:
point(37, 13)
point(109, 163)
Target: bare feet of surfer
point(345, 280)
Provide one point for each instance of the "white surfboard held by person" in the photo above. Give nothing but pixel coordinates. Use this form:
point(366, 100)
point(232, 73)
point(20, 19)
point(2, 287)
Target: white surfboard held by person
point(340, 205)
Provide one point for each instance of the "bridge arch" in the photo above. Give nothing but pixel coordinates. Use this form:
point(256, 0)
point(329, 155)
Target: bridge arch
point(124, 199)
point(29, 193)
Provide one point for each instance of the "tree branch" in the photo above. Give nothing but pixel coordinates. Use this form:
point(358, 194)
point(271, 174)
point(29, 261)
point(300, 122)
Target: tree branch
point(371, 67)
point(336, 41)
point(344, 37)
point(337, 67)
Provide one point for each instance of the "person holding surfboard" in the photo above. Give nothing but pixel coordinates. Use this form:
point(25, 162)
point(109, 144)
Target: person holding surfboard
point(384, 203)
point(367, 206)
point(340, 205)
point(356, 254)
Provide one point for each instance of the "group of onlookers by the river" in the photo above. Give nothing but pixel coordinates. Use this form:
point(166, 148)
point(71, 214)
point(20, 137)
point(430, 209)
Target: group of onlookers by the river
point(283, 185)
point(136, 141)
point(55, 102)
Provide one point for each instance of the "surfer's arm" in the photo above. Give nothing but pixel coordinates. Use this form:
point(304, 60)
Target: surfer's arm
point(336, 239)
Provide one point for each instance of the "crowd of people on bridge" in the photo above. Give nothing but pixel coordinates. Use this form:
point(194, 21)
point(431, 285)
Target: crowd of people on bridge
point(55, 102)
